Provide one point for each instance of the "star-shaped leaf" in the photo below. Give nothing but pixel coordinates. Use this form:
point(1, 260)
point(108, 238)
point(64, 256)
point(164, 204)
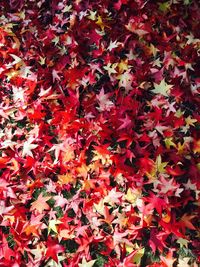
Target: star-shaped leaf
point(86, 263)
point(162, 88)
point(27, 147)
point(40, 204)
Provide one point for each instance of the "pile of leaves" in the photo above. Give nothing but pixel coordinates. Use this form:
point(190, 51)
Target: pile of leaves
point(99, 133)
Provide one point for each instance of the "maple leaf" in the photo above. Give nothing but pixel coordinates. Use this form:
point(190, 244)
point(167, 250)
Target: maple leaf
point(181, 148)
point(111, 68)
point(125, 137)
point(147, 165)
point(168, 186)
point(157, 240)
point(99, 207)
point(52, 263)
point(107, 151)
point(17, 60)
point(3, 114)
point(123, 66)
point(60, 201)
point(113, 197)
point(113, 45)
point(126, 122)
point(85, 263)
point(55, 75)
point(162, 88)
point(5, 251)
point(138, 256)
point(128, 261)
point(58, 148)
point(183, 242)
point(175, 171)
point(34, 225)
point(3, 209)
point(53, 248)
point(126, 80)
point(4, 161)
point(27, 147)
point(185, 221)
point(52, 225)
point(100, 23)
point(189, 121)
point(8, 143)
point(84, 242)
point(132, 195)
point(196, 146)
point(102, 152)
point(164, 6)
point(155, 202)
point(161, 128)
point(169, 142)
point(160, 166)
point(183, 262)
point(32, 230)
point(92, 15)
point(40, 204)
point(168, 260)
point(108, 217)
point(67, 178)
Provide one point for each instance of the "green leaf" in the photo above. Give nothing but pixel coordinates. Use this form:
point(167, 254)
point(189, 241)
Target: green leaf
point(164, 7)
point(100, 260)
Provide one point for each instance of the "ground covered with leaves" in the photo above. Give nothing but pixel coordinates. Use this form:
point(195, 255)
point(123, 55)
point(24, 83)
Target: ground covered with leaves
point(99, 133)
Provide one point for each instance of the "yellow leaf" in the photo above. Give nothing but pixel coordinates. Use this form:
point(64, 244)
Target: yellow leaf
point(123, 65)
point(180, 148)
point(67, 8)
point(52, 226)
point(189, 121)
point(131, 196)
point(160, 165)
point(179, 113)
point(138, 256)
point(100, 207)
point(169, 142)
point(129, 249)
point(100, 23)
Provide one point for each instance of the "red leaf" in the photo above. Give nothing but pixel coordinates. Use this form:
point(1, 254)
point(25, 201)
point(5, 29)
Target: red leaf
point(5, 251)
point(157, 240)
point(53, 248)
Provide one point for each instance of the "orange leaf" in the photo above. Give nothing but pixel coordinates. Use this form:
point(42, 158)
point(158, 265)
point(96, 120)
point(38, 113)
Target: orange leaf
point(40, 204)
